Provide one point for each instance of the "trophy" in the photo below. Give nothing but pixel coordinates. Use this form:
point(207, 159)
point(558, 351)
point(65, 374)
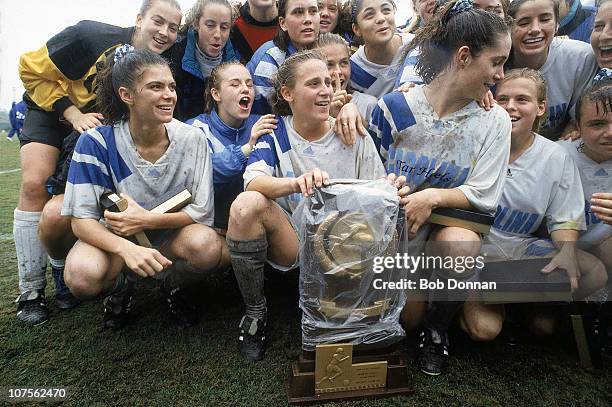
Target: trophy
point(350, 329)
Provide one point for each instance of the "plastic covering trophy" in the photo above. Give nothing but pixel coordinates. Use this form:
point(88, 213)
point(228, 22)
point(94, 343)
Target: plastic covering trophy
point(349, 328)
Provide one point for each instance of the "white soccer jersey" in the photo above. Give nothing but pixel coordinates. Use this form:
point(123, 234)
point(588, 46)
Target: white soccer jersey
point(568, 70)
point(106, 159)
point(468, 149)
point(542, 184)
point(286, 154)
point(596, 177)
point(365, 104)
point(374, 79)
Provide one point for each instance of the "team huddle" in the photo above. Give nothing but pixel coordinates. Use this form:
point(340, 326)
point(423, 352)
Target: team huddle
point(472, 105)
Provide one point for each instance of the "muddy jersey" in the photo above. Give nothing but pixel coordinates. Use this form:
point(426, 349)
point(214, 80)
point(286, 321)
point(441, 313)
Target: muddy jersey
point(568, 71)
point(467, 149)
point(286, 154)
point(106, 159)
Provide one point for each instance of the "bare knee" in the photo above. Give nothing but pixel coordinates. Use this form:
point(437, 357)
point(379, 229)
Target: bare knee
point(203, 250)
point(85, 279)
point(483, 329)
point(52, 224)
point(33, 194)
point(543, 326)
point(600, 276)
point(247, 207)
point(455, 241)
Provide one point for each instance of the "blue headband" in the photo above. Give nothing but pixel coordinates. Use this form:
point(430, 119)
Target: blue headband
point(603, 74)
point(122, 51)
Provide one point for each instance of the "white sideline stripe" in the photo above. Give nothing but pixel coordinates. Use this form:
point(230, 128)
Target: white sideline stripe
point(10, 171)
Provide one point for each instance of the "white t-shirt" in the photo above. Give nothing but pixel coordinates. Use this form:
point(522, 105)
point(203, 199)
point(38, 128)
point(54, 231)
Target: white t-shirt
point(287, 154)
point(542, 184)
point(467, 149)
point(568, 70)
point(596, 177)
point(106, 159)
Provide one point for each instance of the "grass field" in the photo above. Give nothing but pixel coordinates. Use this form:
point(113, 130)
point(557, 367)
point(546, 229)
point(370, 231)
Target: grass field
point(153, 363)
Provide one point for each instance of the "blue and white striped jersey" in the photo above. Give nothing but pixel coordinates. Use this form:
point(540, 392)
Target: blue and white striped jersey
point(374, 79)
point(408, 71)
point(264, 64)
point(287, 154)
point(467, 149)
point(106, 159)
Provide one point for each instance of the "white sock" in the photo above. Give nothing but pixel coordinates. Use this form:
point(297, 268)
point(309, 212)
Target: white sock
point(57, 263)
point(31, 255)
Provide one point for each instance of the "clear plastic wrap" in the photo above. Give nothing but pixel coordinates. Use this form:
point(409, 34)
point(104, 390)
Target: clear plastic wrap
point(343, 228)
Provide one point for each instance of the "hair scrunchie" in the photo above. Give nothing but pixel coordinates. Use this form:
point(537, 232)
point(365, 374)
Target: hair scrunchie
point(458, 8)
point(122, 51)
point(603, 74)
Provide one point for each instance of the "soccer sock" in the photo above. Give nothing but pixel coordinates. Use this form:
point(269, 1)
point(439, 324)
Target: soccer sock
point(31, 255)
point(57, 266)
point(443, 303)
point(248, 257)
point(180, 275)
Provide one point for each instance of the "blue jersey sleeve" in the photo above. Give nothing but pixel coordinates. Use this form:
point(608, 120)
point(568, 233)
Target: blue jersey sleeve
point(227, 163)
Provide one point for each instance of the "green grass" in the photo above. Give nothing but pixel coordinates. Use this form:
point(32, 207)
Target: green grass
point(151, 362)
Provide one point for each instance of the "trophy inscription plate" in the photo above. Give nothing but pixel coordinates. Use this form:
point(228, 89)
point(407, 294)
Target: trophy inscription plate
point(335, 371)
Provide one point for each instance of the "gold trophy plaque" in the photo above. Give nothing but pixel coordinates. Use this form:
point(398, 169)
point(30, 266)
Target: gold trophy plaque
point(335, 371)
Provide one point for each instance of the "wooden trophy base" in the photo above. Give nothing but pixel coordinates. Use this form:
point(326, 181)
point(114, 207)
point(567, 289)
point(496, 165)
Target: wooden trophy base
point(302, 386)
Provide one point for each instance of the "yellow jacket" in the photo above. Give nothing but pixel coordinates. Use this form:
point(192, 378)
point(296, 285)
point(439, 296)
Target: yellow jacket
point(63, 71)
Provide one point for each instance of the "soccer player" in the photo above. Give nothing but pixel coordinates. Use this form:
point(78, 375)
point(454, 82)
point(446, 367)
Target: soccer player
point(567, 65)
point(282, 168)
point(232, 132)
point(529, 200)
point(375, 65)
point(453, 153)
point(336, 50)
point(298, 29)
point(205, 45)
point(142, 155)
point(59, 79)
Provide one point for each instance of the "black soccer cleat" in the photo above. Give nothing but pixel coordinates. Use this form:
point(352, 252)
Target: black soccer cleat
point(184, 313)
point(252, 339)
point(432, 351)
point(66, 301)
point(117, 306)
point(32, 307)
